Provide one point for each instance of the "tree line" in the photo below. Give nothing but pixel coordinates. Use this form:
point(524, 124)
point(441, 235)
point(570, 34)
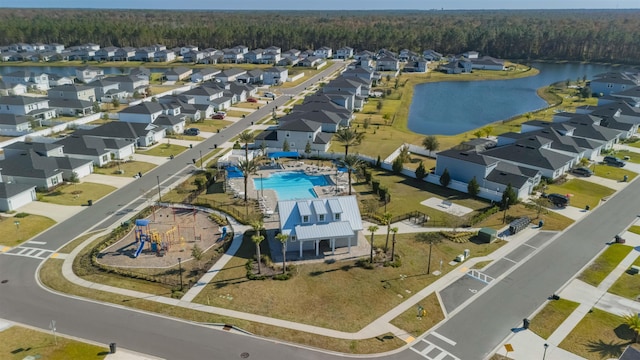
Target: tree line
point(611, 36)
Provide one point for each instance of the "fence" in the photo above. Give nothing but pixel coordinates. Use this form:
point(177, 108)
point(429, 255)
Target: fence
point(53, 130)
point(415, 217)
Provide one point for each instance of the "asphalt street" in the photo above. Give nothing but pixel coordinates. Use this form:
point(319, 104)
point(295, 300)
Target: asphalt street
point(472, 333)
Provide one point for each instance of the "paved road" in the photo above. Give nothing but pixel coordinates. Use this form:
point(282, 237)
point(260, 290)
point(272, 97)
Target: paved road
point(475, 330)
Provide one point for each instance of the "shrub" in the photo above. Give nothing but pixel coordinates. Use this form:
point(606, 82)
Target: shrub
point(421, 172)
point(21, 215)
point(375, 184)
point(365, 263)
point(397, 165)
point(445, 178)
point(478, 218)
point(282, 277)
point(383, 191)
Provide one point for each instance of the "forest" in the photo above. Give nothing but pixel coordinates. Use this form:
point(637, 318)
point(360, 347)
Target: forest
point(611, 36)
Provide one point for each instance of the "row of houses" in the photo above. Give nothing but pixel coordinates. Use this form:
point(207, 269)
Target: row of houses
point(469, 61)
point(546, 149)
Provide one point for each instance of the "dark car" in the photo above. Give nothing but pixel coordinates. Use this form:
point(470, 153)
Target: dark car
point(218, 116)
point(558, 200)
point(252, 100)
point(192, 131)
point(613, 161)
point(582, 171)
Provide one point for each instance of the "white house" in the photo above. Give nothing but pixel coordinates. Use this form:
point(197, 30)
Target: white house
point(13, 195)
point(89, 74)
point(324, 52)
point(12, 122)
point(275, 75)
point(145, 112)
point(27, 105)
point(310, 222)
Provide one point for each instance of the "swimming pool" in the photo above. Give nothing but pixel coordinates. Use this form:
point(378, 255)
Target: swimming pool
point(290, 185)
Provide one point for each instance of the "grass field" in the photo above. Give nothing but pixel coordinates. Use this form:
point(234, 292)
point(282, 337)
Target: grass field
point(414, 325)
point(210, 125)
point(627, 285)
point(613, 173)
point(128, 168)
point(18, 343)
point(76, 194)
point(14, 234)
point(604, 264)
point(582, 192)
point(164, 149)
point(343, 287)
point(551, 316)
point(51, 277)
point(598, 336)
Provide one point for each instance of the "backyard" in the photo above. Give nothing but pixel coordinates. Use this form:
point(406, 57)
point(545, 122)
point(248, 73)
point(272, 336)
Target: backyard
point(341, 286)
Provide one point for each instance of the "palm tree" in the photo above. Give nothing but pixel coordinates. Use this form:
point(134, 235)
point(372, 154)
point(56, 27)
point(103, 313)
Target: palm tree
point(283, 240)
point(632, 320)
point(247, 167)
point(246, 138)
point(386, 220)
point(349, 137)
point(430, 238)
point(373, 229)
point(431, 143)
point(257, 238)
point(394, 230)
point(352, 163)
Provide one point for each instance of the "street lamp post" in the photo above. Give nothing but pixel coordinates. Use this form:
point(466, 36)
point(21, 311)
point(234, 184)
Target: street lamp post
point(159, 195)
point(544, 355)
point(506, 205)
point(180, 271)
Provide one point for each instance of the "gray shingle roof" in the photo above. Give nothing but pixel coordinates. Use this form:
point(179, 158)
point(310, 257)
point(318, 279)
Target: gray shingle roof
point(12, 119)
point(470, 156)
point(30, 165)
point(528, 155)
point(10, 190)
point(145, 107)
point(20, 100)
point(300, 125)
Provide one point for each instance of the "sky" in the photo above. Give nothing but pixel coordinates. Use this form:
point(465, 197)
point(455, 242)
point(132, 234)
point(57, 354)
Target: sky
point(325, 4)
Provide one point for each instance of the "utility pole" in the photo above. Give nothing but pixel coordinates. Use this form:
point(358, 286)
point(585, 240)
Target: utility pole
point(159, 195)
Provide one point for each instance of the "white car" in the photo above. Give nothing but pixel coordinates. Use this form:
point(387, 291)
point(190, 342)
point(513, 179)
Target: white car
point(223, 113)
point(270, 95)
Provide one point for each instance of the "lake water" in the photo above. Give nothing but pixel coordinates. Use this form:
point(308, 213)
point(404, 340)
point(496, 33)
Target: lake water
point(448, 108)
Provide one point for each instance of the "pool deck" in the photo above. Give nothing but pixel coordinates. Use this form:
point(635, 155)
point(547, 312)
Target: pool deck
point(268, 199)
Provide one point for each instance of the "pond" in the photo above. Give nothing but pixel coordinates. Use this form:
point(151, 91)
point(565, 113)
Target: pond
point(453, 107)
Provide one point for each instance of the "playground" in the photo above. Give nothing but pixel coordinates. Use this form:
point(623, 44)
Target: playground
point(168, 234)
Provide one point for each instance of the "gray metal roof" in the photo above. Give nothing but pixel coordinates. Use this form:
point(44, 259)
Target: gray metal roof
point(329, 230)
point(291, 212)
point(334, 206)
point(303, 208)
point(318, 207)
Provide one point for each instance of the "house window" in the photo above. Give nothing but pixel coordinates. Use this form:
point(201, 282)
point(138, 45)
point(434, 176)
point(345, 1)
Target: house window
point(287, 134)
point(54, 180)
point(293, 238)
point(105, 158)
point(321, 217)
point(305, 219)
point(337, 217)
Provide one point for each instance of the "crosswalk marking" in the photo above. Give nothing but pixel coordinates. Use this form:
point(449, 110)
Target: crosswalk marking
point(36, 253)
point(444, 338)
point(433, 352)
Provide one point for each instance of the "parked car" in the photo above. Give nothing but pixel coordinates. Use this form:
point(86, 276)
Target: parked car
point(252, 100)
point(270, 95)
point(582, 171)
point(221, 113)
point(614, 161)
point(192, 131)
point(218, 116)
point(558, 200)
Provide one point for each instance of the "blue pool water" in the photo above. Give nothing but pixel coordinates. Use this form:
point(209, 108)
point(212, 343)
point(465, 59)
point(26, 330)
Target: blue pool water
point(292, 184)
point(234, 172)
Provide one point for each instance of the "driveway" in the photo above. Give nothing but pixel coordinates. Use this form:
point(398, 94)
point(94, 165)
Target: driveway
point(58, 213)
point(116, 181)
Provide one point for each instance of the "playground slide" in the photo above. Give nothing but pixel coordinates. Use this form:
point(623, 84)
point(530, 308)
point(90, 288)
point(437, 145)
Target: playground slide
point(139, 247)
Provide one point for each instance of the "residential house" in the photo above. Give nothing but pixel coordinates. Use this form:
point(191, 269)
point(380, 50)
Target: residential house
point(125, 54)
point(59, 80)
point(204, 94)
point(344, 53)
point(562, 135)
point(324, 52)
point(349, 89)
point(35, 107)
point(140, 134)
point(387, 63)
point(255, 76)
point(187, 48)
point(241, 92)
point(69, 166)
point(240, 49)
point(106, 91)
point(206, 74)
point(471, 54)
point(312, 61)
point(589, 127)
point(164, 56)
point(297, 133)
point(364, 54)
point(431, 55)
point(456, 67)
point(172, 124)
point(419, 66)
point(234, 57)
point(30, 79)
point(407, 55)
point(230, 75)
point(7, 89)
point(613, 82)
point(32, 169)
point(71, 107)
point(254, 56)
point(99, 151)
point(43, 149)
point(14, 196)
point(194, 57)
point(275, 75)
point(73, 92)
point(106, 54)
point(631, 96)
point(130, 84)
point(141, 73)
point(54, 47)
point(312, 224)
point(12, 122)
point(487, 63)
point(145, 54)
point(178, 73)
point(145, 112)
point(271, 55)
point(89, 74)
point(362, 73)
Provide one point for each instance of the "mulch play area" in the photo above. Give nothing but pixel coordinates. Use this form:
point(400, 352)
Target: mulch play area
point(170, 233)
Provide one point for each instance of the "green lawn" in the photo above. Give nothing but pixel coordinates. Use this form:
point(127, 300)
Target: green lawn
point(341, 286)
point(27, 228)
point(164, 149)
point(634, 157)
point(552, 220)
point(128, 168)
point(627, 285)
point(17, 343)
point(412, 324)
point(604, 264)
point(211, 125)
point(598, 336)
point(582, 192)
point(612, 172)
point(634, 229)
point(551, 316)
point(237, 113)
point(76, 194)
